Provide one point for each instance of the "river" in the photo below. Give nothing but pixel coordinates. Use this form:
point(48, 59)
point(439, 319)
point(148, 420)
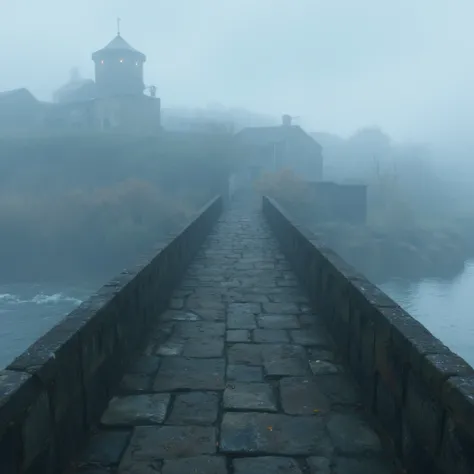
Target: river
point(27, 311)
point(445, 307)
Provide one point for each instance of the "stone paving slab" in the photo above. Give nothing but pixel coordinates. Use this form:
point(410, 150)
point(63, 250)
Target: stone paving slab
point(238, 377)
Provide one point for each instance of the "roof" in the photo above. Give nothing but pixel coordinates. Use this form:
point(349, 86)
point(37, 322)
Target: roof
point(118, 45)
point(14, 95)
point(263, 136)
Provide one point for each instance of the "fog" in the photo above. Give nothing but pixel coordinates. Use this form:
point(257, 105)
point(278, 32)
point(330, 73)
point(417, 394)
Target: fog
point(401, 70)
point(404, 66)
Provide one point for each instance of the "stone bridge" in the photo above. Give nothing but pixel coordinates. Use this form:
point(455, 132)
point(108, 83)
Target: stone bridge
point(242, 346)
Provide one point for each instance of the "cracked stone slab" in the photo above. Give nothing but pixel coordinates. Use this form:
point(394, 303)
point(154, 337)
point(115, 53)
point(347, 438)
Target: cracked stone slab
point(270, 335)
point(352, 435)
point(105, 448)
point(270, 433)
point(284, 360)
point(134, 410)
point(194, 408)
point(179, 373)
point(249, 396)
point(196, 465)
point(155, 443)
point(204, 348)
point(238, 335)
point(302, 396)
point(241, 321)
point(266, 465)
point(277, 321)
point(244, 373)
point(242, 353)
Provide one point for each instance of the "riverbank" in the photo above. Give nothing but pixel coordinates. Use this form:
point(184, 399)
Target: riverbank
point(421, 250)
point(409, 254)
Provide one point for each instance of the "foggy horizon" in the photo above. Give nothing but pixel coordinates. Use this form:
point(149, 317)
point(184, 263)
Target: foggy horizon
point(339, 67)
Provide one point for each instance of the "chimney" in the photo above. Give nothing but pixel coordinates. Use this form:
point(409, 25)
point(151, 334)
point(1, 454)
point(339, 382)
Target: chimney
point(286, 120)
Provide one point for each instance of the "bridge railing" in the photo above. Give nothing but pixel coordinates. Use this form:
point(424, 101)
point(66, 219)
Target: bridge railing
point(52, 394)
point(421, 392)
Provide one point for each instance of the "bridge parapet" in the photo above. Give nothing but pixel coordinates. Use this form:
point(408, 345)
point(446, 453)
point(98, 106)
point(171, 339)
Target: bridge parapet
point(53, 393)
point(421, 393)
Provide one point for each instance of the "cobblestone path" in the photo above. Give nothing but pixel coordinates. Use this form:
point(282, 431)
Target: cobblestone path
point(238, 377)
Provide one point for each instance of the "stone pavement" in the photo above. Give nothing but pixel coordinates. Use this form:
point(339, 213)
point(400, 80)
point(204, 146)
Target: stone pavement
point(238, 377)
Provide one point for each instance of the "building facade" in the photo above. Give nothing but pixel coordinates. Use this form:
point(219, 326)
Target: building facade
point(114, 102)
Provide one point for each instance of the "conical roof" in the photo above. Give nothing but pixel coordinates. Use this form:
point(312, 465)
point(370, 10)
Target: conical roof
point(117, 45)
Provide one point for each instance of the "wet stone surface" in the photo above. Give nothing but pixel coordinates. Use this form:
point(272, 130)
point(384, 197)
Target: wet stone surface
point(237, 376)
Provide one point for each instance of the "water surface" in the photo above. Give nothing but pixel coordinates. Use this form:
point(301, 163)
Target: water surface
point(446, 308)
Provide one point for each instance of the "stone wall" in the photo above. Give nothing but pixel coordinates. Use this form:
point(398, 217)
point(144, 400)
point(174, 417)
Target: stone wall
point(421, 393)
point(53, 393)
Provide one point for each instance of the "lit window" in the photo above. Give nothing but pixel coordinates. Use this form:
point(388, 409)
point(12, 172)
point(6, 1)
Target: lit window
point(121, 60)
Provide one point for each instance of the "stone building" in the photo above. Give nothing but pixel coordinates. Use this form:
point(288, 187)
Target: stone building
point(264, 150)
point(115, 101)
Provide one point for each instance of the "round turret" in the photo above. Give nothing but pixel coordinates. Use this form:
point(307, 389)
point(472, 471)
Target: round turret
point(118, 69)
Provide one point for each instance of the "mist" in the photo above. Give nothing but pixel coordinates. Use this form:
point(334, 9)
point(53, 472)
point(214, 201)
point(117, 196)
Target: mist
point(403, 66)
point(401, 70)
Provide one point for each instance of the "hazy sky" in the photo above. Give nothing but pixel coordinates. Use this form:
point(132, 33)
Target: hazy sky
point(406, 65)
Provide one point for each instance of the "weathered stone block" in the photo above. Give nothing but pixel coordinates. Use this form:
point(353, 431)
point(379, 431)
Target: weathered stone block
point(273, 434)
point(193, 374)
point(424, 415)
point(458, 395)
point(388, 411)
point(278, 321)
point(285, 359)
point(238, 335)
point(132, 410)
point(249, 396)
point(249, 354)
point(155, 443)
point(105, 448)
point(244, 373)
point(194, 408)
point(302, 396)
point(270, 336)
point(352, 435)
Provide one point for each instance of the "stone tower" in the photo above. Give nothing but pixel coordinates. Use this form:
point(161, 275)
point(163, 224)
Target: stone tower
point(118, 69)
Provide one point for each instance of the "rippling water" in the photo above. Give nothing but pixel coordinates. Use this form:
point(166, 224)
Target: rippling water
point(28, 311)
point(446, 308)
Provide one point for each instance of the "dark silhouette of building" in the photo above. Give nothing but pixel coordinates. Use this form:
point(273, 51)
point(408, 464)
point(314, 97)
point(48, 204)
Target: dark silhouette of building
point(115, 101)
point(118, 69)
